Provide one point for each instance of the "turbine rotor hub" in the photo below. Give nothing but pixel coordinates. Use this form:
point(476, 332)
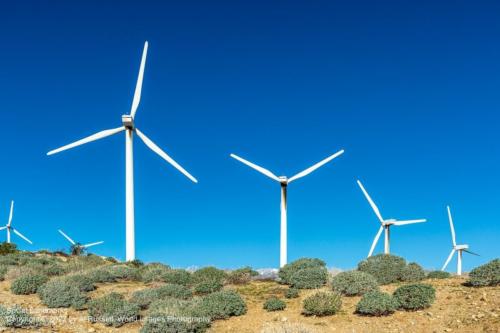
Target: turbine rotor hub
point(128, 121)
point(283, 180)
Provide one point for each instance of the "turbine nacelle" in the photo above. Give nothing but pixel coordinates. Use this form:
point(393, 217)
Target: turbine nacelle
point(389, 222)
point(461, 247)
point(128, 121)
point(283, 180)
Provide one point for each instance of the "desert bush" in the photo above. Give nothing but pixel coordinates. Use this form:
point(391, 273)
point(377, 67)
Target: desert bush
point(292, 293)
point(175, 291)
point(415, 296)
point(134, 263)
point(101, 275)
point(354, 283)
point(28, 284)
point(438, 275)
point(83, 263)
point(322, 304)
point(124, 272)
point(208, 280)
point(286, 272)
point(153, 272)
point(59, 293)
point(386, 268)
point(82, 282)
point(309, 278)
point(274, 304)
point(17, 317)
point(7, 248)
point(207, 287)
point(177, 276)
point(223, 304)
point(485, 275)
point(241, 275)
point(376, 303)
point(54, 269)
point(413, 272)
point(112, 310)
point(3, 272)
point(144, 298)
point(165, 316)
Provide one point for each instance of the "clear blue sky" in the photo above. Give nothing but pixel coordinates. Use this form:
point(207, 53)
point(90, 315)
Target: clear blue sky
point(411, 91)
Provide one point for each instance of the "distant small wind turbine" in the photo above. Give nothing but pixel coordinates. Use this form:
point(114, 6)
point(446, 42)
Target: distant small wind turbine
point(79, 247)
point(10, 228)
point(458, 248)
point(385, 224)
point(130, 129)
point(284, 181)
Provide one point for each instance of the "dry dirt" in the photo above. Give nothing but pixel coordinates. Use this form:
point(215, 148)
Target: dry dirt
point(457, 309)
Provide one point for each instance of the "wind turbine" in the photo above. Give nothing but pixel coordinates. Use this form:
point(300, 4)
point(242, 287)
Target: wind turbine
point(458, 248)
point(76, 245)
point(10, 228)
point(385, 224)
point(284, 181)
point(129, 128)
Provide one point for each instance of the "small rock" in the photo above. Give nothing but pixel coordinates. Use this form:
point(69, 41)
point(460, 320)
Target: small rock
point(429, 314)
point(91, 330)
point(284, 319)
point(468, 297)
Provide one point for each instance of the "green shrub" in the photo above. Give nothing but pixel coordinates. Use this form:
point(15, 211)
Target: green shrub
point(54, 269)
point(112, 310)
point(485, 275)
point(3, 272)
point(376, 303)
point(223, 304)
point(354, 283)
point(166, 316)
point(415, 296)
point(7, 248)
point(28, 284)
point(59, 293)
point(101, 275)
point(241, 275)
point(177, 276)
point(386, 268)
point(322, 304)
point(286, 272)
point(438, 275)
point(175, 291)
point(111, 260)
point(144, 298)
point(207, 287)
point(413, 272)
point(292, 293)
point(82, 282)
point(136, 263)
point(274, 304)
point(124, 272)
point(309, 278)
point(17, 317)
point(153, 272)
point(208, 280)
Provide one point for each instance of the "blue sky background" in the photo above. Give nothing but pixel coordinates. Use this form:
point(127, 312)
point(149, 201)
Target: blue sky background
point(409, 89)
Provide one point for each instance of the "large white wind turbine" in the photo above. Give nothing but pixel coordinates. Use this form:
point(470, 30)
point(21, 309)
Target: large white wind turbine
point(10, 228)
point(458, 248)
point(284, 181)
point(385, 224)
point(80, 246)
point(129, 128)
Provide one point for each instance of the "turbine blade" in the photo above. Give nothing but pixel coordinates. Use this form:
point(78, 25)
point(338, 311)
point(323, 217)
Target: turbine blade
point(409, 222)
point(164, 155)
point(472, 253)
point(448, 260)
point(315, 166)
point(11, 212)
point(93, 137)
point(92, 244)
point(374, 207)
point(4, 227)
point(138, 87)
point(256, 167)
point(375, 241)
point(67, 237)
point(22, 236)
point(453, 239)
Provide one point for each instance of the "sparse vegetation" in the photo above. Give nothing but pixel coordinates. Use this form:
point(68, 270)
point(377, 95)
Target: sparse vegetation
point(485, 275)
point(124, 272)
point(59, 293)
point(177, 276)
point(175, 291)
point(322, 304)
point(274, 304)
point(376, 303)
point(438, 275)
point(415, 296)
point(292, 293)
point(241, 275)
point(309, 278)
point(286, 272)
point(153, 272)
point(82, 282)
point(386, 268)
point(101, 275)
point(17, 317)
point(354, 283)
point(208, 280)
point(7, 248)
point(112, 310)
point(3, 272)
point(223, 304)
point(28, 284)
point(413, 272)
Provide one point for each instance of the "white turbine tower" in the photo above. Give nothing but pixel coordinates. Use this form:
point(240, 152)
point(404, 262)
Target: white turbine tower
point(10, 228)
point(84, 246)
point(385, 223)
point(458, 248)
point(129, 128)
point(284, 181)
